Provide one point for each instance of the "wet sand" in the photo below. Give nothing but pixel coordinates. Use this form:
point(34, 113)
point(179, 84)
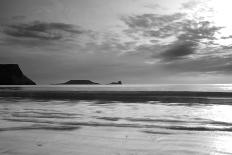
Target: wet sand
point(114, 123)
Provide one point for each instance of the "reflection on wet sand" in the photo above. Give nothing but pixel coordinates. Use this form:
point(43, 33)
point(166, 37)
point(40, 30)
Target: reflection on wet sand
point(169, 124)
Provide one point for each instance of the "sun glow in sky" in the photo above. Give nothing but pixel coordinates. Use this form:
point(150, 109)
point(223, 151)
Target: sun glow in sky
point(221, 14)
point(136, 41)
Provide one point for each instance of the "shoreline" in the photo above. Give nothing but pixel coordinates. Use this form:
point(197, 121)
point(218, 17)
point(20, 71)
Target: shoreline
point(128, 96)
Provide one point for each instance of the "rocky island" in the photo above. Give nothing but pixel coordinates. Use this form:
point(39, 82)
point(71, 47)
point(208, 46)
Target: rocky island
point(11, 74)
point(115, 83)
point(86, 82)
point(79, 82)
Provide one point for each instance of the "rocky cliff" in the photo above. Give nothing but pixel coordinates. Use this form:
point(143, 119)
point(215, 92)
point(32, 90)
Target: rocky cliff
point(11, 74)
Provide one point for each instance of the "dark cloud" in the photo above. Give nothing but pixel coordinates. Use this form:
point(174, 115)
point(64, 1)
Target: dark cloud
point(42, 30)
point(178, 51)
point(166, 53)
point(188, 34)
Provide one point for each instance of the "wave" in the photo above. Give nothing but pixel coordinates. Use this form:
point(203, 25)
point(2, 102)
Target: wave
point(73, 124)
point(41, 127)
point(36, 114)
point(106, 97)
point(157, 132)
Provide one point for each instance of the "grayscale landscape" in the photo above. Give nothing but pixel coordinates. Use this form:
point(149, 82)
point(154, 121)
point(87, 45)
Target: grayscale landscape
point(115, 77)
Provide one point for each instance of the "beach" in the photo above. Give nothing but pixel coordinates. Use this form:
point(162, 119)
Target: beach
point(72, 121)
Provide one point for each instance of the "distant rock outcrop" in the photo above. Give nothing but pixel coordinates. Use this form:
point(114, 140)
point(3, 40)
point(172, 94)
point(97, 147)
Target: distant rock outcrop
point(119, 82)
point(80, 82)
point(11, 74)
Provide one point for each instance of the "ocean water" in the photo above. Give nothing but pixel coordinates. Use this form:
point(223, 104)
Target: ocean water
point(117, 120)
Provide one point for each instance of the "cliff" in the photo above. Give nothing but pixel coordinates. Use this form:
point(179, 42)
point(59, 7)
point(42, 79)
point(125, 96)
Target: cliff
point(11, 74)
point(119, 82)
point(80, 82)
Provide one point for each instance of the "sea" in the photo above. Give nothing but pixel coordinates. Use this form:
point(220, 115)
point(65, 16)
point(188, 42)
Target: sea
point(161, 119)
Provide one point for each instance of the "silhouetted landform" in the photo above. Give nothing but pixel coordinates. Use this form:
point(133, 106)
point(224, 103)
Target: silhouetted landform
point(115, 83)
point(79, 82)
point(11, 74)
point(86, 82)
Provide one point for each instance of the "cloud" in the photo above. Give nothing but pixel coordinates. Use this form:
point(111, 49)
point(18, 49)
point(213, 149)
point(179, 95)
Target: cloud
point(153, 6)
point(42, 31)
point(190, 4)
point(151, 20)
point(163, 26)
point(178, 51)
point(226, 37)
point(206, 64)
point(197, 30)
point(176, 37)
point(152, 25)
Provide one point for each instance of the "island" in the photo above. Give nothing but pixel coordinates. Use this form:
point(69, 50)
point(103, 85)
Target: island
point(115, 83)
point(11, 74)
point(79, 82)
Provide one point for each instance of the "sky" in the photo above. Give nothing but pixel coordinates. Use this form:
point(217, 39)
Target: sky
point(135, 41)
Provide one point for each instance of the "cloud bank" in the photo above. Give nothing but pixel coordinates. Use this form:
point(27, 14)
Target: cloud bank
point(42, 30)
